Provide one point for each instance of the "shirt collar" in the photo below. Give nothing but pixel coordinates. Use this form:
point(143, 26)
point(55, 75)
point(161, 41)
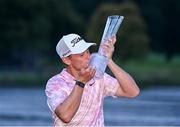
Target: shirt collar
point(67, 76)
point(71, 79)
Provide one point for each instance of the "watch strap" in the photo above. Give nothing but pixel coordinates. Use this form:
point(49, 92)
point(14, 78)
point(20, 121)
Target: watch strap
point(79, 83)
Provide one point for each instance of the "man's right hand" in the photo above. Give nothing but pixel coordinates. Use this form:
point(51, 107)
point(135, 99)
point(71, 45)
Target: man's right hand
point(66, 110)
point(86, 74)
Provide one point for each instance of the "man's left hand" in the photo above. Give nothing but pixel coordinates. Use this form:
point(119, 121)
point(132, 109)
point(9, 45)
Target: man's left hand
point(109, 47)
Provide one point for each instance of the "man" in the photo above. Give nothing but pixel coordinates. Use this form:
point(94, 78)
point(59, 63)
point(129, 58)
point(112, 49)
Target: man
point(74, 96)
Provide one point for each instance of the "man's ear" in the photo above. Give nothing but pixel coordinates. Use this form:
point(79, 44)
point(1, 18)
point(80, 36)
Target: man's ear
point(66, 60)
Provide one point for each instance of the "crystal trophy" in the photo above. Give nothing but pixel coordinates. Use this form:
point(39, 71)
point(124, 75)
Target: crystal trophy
point(99, 60)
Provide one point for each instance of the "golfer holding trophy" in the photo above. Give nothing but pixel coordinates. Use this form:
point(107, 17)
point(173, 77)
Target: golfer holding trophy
point(76, 95)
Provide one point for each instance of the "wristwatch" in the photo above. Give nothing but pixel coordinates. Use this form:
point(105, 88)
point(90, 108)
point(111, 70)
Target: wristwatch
point(81, 84)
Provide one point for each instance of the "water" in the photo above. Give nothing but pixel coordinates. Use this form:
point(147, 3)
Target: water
point(156, 106)
point(20, 106)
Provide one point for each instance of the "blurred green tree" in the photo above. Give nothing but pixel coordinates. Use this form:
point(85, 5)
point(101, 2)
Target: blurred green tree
point(30, 29)
point(171, 38)
point(85, 7)
point(132, 38)
point(163, 19)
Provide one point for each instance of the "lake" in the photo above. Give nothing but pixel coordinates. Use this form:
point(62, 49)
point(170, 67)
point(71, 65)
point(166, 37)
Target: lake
point(158, 106)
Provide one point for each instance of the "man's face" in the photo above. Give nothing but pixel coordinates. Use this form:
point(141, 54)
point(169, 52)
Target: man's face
point(79, 61)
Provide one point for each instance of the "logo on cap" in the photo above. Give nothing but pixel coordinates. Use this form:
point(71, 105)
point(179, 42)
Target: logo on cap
point(66, 53)
point(76, 40)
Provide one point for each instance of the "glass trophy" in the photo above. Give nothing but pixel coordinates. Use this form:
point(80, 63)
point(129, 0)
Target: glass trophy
point(99, 60)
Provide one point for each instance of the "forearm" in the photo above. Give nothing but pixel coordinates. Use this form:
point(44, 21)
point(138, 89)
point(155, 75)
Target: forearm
point(66, 110)
point(128, 86)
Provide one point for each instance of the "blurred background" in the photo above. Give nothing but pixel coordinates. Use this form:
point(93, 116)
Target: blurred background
point(147, 47)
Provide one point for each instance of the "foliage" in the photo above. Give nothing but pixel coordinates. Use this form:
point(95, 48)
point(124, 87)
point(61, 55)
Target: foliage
point(153, 71)
point(132, 38)
point(33, 27)
point(163, 25)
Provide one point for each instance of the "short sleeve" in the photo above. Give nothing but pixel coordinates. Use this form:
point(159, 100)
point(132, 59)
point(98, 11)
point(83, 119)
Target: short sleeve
point(110, 85)
point(55, 94)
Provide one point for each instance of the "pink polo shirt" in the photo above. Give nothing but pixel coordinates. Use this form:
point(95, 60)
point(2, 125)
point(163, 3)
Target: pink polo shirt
point(90, 112)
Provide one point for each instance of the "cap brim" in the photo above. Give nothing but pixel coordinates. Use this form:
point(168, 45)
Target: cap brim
point(82, 49)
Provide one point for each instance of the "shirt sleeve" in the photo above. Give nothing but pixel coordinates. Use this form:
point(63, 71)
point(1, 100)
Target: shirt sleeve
point(111, 85)
point(55, 94)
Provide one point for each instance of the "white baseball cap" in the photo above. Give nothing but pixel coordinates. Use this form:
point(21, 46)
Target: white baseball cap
point(71, 44)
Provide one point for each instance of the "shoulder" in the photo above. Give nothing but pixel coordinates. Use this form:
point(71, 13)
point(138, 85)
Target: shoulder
point(106, 77)
point(55, 78)
point(109, 78)
point(54, 82)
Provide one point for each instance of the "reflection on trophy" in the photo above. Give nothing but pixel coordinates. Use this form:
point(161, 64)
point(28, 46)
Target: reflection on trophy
point(99, 60)
point(112, 25)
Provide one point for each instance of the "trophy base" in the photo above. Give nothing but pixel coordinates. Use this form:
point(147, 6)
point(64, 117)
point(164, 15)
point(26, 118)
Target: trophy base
point(99, 62)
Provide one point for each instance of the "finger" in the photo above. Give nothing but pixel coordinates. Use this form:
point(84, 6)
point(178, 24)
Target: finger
point(110, 42)
point(113, 39)
point(93, 73)
point(107, 45)
point(93, 69)
point(84, 70)
point(107, 48)
point(110, 45)
point(88, 70)
point(114, 36)
point(81, 72)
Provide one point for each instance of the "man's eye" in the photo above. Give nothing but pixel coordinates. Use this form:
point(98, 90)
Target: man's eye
point(81, 54)
point(87, 51)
